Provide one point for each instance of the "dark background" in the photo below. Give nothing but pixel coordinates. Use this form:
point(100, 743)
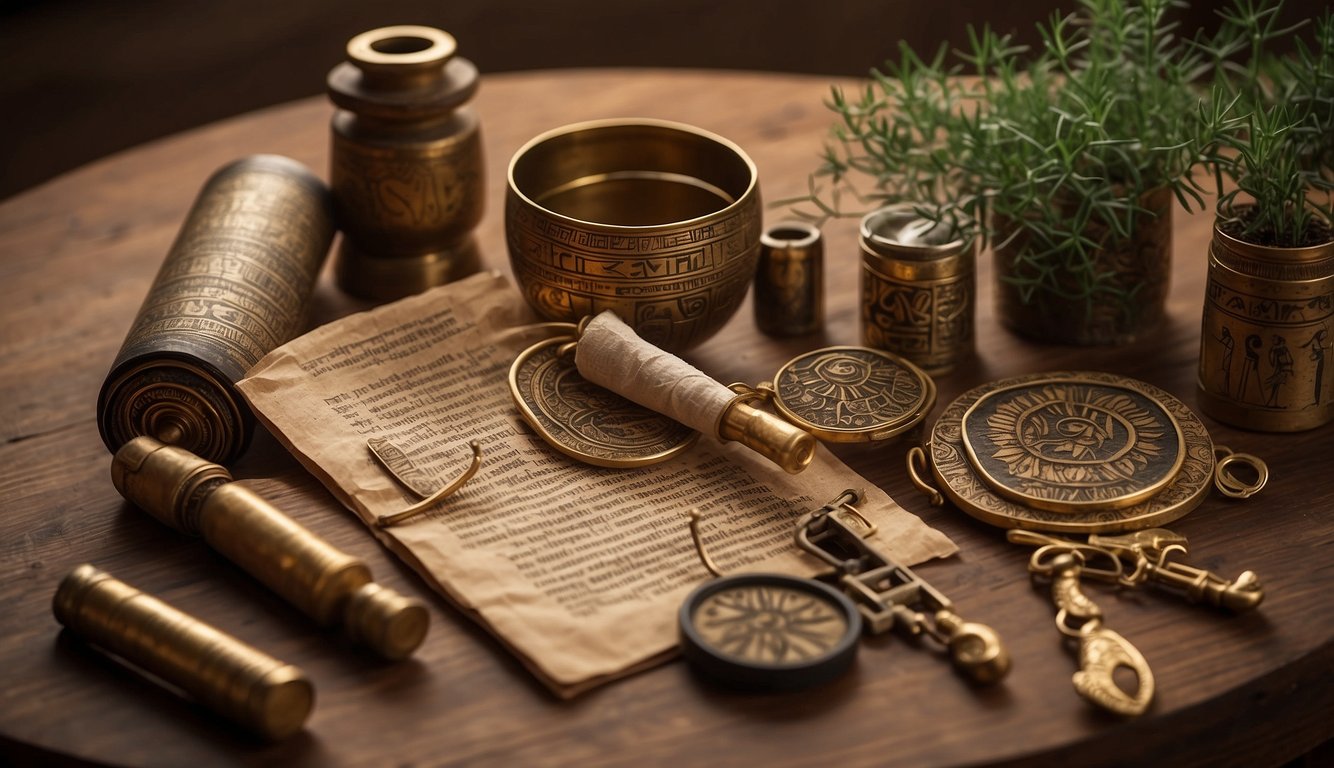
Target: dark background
point(80, 79)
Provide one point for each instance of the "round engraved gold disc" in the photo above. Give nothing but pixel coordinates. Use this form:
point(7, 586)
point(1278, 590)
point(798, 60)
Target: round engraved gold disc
point(958, 479)
point(853, 394)
point(1072, 445)
point(768, 631)
point(585, 421)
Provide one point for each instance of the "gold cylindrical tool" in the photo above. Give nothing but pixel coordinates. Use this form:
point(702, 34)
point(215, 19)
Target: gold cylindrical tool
point(228, 676)
point(199, 498)
point(234, 286)
point(789, 281)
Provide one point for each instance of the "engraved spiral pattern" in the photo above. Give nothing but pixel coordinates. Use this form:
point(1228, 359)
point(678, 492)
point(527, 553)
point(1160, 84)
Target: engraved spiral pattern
point(959, 481)
point(1072, 445)
point(853, 390)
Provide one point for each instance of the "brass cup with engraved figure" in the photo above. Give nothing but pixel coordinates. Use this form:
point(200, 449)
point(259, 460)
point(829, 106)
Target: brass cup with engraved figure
point(918, 288)
point(1267, 335)
point(656, 221)
point(406, 163)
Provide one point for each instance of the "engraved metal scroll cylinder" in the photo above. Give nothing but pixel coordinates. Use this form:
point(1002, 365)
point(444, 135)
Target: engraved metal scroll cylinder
point(234, 286)
point(406, 163)
point(228, 676)
point(917, 289)
point(199, 498)
point(789, 281)
point(1267, 336)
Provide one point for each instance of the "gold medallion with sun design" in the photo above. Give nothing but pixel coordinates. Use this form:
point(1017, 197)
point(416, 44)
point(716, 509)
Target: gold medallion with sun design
point(1073, 445)
point(956, 475)
point(853, 394)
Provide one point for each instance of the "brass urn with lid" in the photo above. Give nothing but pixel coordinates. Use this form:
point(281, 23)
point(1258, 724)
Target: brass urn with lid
point(406, 163)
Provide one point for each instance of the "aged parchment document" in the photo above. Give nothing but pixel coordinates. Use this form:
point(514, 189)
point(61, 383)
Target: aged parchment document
point(578, 569)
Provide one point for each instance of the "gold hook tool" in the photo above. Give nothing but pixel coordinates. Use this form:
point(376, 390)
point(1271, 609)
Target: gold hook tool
point(890, 595)
point(1101, 651)
point(388, 455)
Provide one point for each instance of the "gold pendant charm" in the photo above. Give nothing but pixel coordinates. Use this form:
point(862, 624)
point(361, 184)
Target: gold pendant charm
point(585, 421)
point(1073, 445)
point(852, 394)
point(956, 474)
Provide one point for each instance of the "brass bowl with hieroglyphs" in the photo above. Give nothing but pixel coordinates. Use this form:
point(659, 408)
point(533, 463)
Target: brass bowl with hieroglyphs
point(657, 221)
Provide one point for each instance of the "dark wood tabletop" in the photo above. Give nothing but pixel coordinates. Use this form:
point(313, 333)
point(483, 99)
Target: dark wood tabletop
point(77, 256)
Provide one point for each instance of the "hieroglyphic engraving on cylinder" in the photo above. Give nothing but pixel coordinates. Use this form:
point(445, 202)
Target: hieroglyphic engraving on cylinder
point(1267, 336)
point(234, 285)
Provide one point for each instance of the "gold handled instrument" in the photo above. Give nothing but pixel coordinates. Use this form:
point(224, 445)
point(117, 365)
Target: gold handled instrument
point(228, 676)
point(198, 498)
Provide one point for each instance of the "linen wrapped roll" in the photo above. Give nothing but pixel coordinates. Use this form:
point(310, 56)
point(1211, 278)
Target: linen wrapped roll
point(611, 355)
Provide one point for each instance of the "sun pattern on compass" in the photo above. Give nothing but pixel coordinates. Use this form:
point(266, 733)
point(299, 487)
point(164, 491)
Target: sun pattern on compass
point(769, 624)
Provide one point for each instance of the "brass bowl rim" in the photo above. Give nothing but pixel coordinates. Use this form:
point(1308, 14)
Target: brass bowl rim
point(741, 200)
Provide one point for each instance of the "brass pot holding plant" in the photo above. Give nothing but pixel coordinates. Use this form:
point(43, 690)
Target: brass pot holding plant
point(1044, 290)
point(1066, 159)
point(1267, 337)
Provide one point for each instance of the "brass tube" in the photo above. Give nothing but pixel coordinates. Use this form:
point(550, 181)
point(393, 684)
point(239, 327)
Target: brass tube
point(196, 497)
point(786, 445)
point(231, 678)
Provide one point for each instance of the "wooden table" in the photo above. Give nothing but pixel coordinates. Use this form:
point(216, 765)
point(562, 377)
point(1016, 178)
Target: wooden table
point(78, 255)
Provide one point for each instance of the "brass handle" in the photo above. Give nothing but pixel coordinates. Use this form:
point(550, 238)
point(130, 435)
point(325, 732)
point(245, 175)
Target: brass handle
point(786, 445)
point(197, 497)
point(233, 679)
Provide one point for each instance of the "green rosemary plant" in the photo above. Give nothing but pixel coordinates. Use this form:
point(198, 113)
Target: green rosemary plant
point(1054, 156)
point(1276, 175)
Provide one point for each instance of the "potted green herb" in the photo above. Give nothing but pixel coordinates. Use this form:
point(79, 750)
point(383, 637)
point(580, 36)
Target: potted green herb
point(1066, 160)
point(1267, 335)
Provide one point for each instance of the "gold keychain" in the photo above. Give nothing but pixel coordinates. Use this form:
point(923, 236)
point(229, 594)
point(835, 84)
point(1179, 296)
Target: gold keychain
point(1097, 454)
point(765, 631)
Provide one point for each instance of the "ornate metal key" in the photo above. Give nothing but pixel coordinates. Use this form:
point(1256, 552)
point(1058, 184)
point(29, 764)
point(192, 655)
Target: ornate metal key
point(1101, 651)
point(1149, 554)
point(890, 595)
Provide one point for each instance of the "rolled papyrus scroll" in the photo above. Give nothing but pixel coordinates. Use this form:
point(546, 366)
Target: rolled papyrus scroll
point(611, 355)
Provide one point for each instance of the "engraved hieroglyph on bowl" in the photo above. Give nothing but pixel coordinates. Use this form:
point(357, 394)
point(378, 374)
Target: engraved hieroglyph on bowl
point(657, 221)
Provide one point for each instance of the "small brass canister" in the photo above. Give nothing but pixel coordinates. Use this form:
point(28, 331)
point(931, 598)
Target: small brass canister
point(917, 288)
point(789, 281)
point(406, 165)
point(234, 286)
point(1267, 335)
point(228, 676)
